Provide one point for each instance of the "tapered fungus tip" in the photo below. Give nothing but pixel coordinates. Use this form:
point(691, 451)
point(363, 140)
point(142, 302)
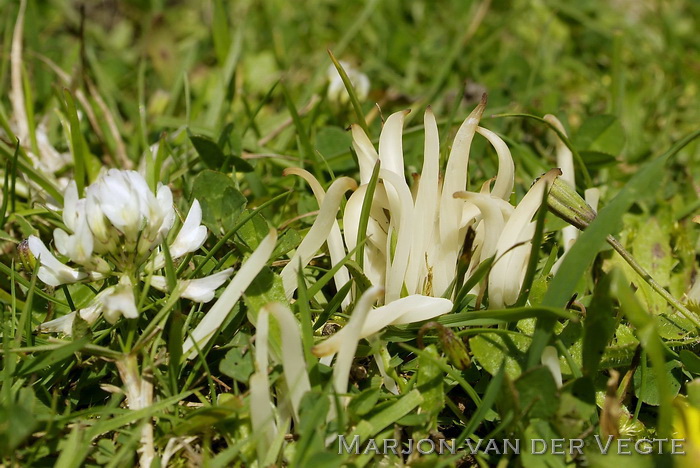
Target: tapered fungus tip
point(553, 173)
point(479, 109)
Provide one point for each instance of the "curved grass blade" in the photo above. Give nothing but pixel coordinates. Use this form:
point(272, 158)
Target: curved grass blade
point(328, 276)
point(8, 192)
point(77, 144)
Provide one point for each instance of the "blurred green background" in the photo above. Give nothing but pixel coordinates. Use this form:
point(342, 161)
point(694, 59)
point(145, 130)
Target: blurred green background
point(153, 62)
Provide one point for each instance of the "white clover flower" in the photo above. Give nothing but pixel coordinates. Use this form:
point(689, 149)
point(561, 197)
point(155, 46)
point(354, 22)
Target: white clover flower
point(114, 232)
point(336, 87)
point(90, 314)
point(52, 271)
point(198, 290)
point(120, 302)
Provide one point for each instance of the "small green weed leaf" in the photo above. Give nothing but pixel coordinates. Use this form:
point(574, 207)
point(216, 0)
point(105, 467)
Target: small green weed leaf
point(215, 158)
point(17, 422)
point(290, 239)
point(209, 151)
point(649, 393)
point(650, 248)
point(598, 159)
point(537, 393)
point(252, 232)
point(673, 326)
point(221, 201)
point(691, 361)
point(332, 141)
point(266, 288)
point(237, 364)
point(491, 350)
point(202, 420)
point(105, 451)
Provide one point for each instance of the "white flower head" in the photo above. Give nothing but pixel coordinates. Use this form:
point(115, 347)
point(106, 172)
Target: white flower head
point(128, 208)
point(121, 219)
point(116, 230)
point(336, 88)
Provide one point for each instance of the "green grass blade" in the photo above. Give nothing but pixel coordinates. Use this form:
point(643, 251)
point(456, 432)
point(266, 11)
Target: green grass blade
point(364, 214)
point(357, 107)
point(492, 392)
point(220, 31)
point(77, 145)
